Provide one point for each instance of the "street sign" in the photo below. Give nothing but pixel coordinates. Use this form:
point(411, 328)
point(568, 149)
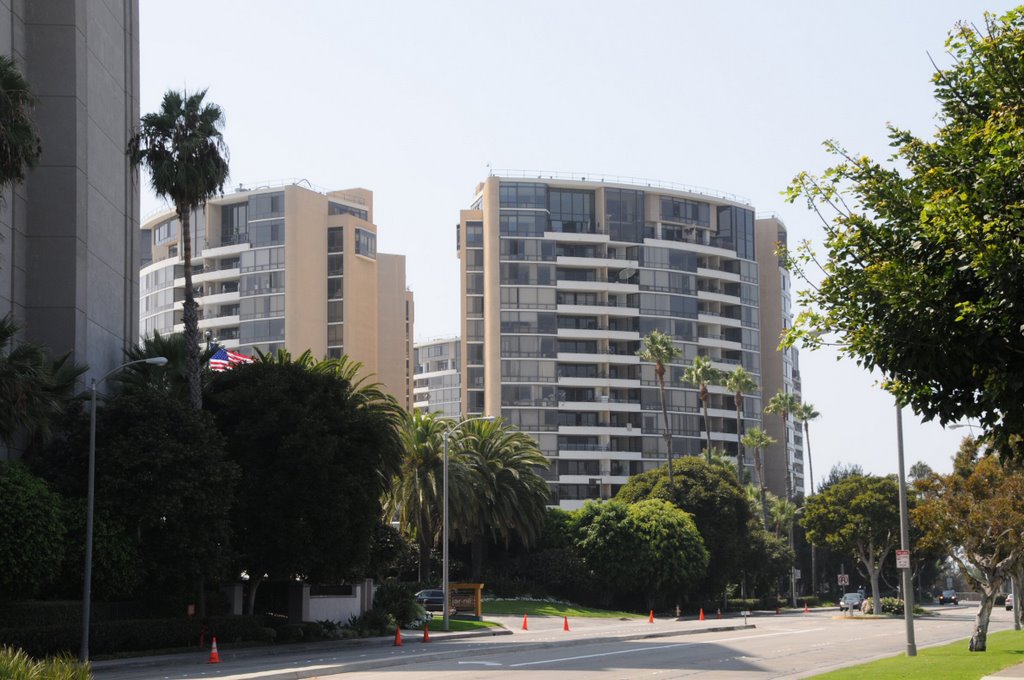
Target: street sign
point(796, 573)
point(903, 559)
point(844, 579)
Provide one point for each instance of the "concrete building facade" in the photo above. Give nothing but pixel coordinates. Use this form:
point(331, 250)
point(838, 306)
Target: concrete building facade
point(286, 267)
point(562, 277)
point(68, 258)
point(437, 380)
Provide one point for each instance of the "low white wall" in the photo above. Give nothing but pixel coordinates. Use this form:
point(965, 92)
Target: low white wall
point(333, 608)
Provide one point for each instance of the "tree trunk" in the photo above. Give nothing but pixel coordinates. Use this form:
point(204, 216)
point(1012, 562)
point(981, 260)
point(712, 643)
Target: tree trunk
point(250, 606)
point(761, 486)
point(424, 561)
point(668, 433)
point(478, 549)
point(201, 604)
point(707, 427)
point(191, 314)
point(1015, 581)
point(785, 453)
point(739, 445)
point(980, 634)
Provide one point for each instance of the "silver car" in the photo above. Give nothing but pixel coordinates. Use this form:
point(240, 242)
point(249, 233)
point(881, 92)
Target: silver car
point(850, 601)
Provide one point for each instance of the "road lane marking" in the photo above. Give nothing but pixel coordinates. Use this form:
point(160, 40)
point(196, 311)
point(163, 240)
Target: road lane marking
point(479, 663)
point(651, 649)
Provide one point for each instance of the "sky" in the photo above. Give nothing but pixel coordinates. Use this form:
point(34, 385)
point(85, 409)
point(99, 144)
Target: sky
point(419, 101)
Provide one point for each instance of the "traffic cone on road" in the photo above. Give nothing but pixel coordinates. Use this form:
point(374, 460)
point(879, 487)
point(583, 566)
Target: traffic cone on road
point(702, 613)
point(525, 626)
point(398, 637)
point(426, 632)
point(565, 623)
point(214, 656)
point(650, 618)
point(806, 610)
point(719, 612)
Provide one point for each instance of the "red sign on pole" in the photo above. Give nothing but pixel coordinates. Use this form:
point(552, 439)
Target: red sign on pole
point(903, 559)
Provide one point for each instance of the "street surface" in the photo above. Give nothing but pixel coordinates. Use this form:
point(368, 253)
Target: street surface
point(773, 646)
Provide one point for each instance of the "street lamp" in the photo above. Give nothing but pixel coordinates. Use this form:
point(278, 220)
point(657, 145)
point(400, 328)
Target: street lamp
point(444, 527)
point(908, 590)
point(90, 497)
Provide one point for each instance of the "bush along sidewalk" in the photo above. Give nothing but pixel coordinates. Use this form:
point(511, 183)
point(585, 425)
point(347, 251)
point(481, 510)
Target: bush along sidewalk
point(17, 665)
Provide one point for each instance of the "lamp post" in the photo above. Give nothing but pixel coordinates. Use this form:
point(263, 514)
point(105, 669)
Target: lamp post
point(908, 590)
point(444, 522)
point(90, 498)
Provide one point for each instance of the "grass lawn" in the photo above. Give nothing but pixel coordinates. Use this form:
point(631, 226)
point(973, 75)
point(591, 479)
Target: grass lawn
point(545, 608)
point(460, 624)
point(952, 661)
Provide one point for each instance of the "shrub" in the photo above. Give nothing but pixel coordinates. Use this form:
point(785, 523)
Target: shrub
point(17, 665)
point(397, 601)
point(235, 628)
point(290, 633)
point(890, 605)
point(312, 630)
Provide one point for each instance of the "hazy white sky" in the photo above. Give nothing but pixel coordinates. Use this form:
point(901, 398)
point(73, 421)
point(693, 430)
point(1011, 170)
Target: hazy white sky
point(414, 99)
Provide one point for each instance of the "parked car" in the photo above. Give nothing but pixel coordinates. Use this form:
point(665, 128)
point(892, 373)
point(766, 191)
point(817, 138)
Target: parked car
point(1009, 602)
point(850, 601)
point(949, 596)
point(431, 600)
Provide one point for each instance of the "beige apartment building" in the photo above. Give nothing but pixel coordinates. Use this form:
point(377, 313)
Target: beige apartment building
point(561, 278)
point(288, 267)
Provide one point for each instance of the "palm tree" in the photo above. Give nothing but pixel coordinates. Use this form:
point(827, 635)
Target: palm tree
point(659, 350)
point(510, 493)
point(738, 382)
point(758, 439)
point(784, 403)
point(701, 373)
point(783, 513)
point(805, 413)
point(417, 491)
point(20, 146)
point(171, 378)
point(182, 147)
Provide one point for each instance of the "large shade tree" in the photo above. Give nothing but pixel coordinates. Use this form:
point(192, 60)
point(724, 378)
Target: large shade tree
point(857, 516)
point(317, 448)
point(701, 374)
point(976, 515)
point(182, 147)
point(920, 274)
point(20, 146)
point(738, 382)
point(660, 350)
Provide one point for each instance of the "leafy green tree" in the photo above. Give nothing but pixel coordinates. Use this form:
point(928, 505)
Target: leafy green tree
point(719, 507)
point(805, 413)
point(758, 440)
point(701, 374)
point(857, 516)
point(183, 148)
point(20, 146)
point(783, 404)
point(31, 545)
point(976, 515)
point(510, 494)
point(649, 548)
point(660, 350)
point(317, 451)
point(738, 382)
point(839, 472)
point(919, 470)
point(922, 254)
point(34, 391)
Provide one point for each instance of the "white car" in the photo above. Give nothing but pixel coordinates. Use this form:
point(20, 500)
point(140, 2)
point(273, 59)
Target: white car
point(1009, 602)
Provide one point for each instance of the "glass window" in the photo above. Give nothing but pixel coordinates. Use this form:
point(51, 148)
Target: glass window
point(522, 195)
point(261, 259)
point(261, 331)
point(366, 243)
point(681, 210)
point(335, 239)
point(474, 234)
point(266, 205)
point(166, 231)
point(341, 209)
point(267, 233)
point(571, 211)
point(625, 211)
point(336, 264)
point(335, 288)
point(261, 283)
point(261, 307)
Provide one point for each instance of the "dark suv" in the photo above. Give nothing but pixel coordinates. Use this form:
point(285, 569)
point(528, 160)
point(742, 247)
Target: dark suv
point(949, 597)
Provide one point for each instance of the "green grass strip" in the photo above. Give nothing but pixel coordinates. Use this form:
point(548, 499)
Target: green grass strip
point(546, 608)
point(953, 661)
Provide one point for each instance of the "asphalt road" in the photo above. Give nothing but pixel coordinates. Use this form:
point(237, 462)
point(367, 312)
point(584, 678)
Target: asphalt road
point(785, 646)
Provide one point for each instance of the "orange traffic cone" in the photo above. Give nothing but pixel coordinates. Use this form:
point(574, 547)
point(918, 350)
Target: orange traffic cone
point(777, 610)
point(214, 656)
point(719, 612)
point(806, 610)
point(565, 623)
point(398, 637)
point(426, 632)
point(525, 625)
point(701, 613)
point(650, 619)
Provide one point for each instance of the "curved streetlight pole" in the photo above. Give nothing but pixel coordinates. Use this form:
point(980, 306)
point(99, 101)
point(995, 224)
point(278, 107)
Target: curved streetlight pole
point(90, 498)
point(444, 527)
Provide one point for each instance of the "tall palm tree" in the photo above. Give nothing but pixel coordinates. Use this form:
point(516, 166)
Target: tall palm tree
point(784, 403)
point(738, 382)
point(757, 439)
point(510, 493)
point(171, 378)
point(659, 350)
point(805, 413)
point(183, 148)
point(417, 491)
point(783, 513)
point(701, 374)
point(20, 146)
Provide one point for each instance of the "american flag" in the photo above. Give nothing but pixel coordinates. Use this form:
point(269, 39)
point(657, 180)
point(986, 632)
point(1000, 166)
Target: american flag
point(223, 359)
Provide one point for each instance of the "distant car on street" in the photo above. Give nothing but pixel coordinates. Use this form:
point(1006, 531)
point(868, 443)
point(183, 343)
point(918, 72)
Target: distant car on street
point(851, 601)
point(1009, 602)
point(431, 600)
point(948, 597)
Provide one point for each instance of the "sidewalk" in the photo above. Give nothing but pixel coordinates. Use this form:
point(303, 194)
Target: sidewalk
point(1011, 672)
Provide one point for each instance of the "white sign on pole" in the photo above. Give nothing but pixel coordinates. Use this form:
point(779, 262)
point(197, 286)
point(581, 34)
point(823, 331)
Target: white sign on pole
point(903, 559)
point(844, 579)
